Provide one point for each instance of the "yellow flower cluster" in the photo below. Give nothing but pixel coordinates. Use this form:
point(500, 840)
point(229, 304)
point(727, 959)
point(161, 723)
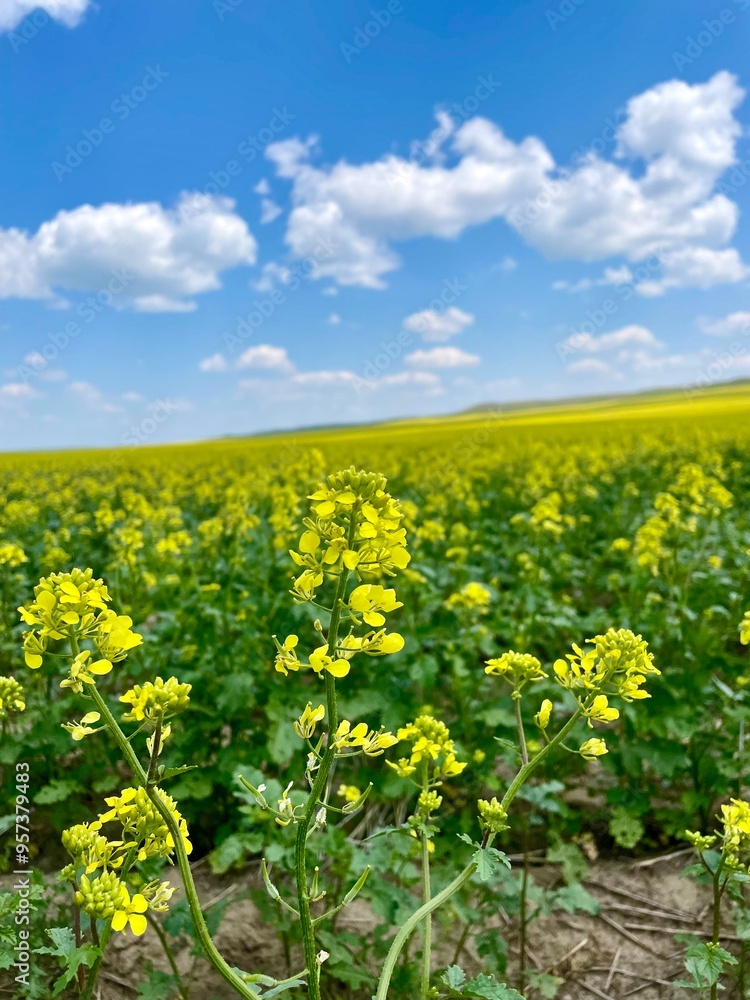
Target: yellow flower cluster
point(745, 629)
point(143, 826)
point(12, 698)
point(158, 700)
point(12, 555)
point(518, 669)
point(356, 525)
point(106, 897)
point(74, 606)
point(619, 660)
point(472, 597)
point(431, 747)
point(735, 819)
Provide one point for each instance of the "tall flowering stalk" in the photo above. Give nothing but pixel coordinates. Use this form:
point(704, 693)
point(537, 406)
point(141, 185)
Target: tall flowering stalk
point(353, 539)
point(69, 619)
point(618, 665)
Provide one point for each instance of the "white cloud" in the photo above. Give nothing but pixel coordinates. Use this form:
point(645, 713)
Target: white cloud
point(40, 366)
point(626, 336)
point(67, 12)
point(132, 397)
point(215, 363)
point(612, 276)
point(507, 264)
point(323, 379)
point(436, 326)
point(15, 394)
point(658, 195)
point(266, 357)
point(272, 274)
point(262, 187)
point(334, 319)
point(442, 357)
point(93, 398)
point(140, 255)
point(735, 324)
point(269, 211)
point(696, 267)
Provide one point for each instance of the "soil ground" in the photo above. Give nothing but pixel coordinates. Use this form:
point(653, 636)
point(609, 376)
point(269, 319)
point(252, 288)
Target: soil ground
point(628, 949)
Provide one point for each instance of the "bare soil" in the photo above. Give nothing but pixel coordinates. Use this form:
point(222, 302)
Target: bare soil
point(628, 949)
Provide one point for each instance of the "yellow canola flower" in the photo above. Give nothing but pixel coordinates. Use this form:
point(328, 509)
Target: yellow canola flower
point(745, 629)
point(371, 743)
point(350, 793)
point(78, 730)
point(600, 710)
point(370, 600)
point(306, 724)
point(544, 714)
point(321, 662)
point(84, 670)
point(593, 748)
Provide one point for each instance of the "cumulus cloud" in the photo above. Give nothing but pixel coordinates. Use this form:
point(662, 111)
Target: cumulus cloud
point(735, 324)
point(214, 363)
point(626, 336)
point(16, 394)
point(267, 357)
point(269, 211)
point(151, 258)
point(442, 357)
point(432, 325)
point(93, 398)
point(657, 195)
point(263, 357)
point(67, 12)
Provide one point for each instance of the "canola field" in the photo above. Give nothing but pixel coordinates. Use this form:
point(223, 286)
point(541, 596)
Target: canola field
point(530, 531)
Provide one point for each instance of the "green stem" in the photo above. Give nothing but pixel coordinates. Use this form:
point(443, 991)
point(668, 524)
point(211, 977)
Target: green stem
point(427, 934)
point(716, 930)
point(307, 925)
point(463, 877)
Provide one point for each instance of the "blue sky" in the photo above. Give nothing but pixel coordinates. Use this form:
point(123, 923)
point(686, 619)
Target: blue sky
point(218, 216)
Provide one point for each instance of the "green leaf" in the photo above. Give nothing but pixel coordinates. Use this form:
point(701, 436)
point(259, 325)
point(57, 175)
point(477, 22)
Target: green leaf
point(170, 772)
point(572, 898)
point(57, 790)
point(626, 828)
point(485, 986)
point(487, 860)
point(454, 977)
point(544, 983)
point(573, 864)
point(158, 986)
